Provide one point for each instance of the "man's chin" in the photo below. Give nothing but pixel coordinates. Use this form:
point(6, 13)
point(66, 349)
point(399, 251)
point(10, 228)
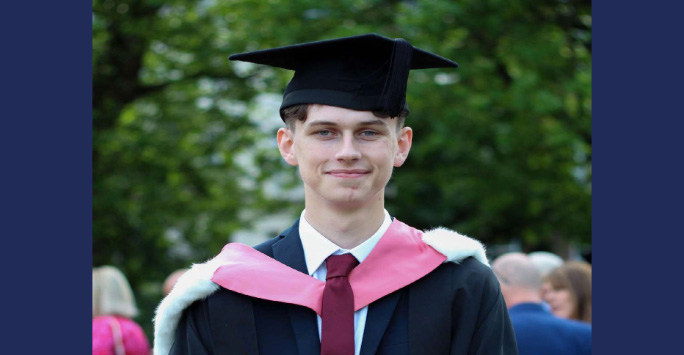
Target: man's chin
point(348, 197)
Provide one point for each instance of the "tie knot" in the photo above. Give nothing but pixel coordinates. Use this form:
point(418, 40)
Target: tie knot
point(340, 265)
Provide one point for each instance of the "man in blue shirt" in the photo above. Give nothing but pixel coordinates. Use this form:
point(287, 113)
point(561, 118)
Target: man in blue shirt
point(537, 331)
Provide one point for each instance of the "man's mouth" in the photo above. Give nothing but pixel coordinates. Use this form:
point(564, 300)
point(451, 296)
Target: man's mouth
point(347, 173)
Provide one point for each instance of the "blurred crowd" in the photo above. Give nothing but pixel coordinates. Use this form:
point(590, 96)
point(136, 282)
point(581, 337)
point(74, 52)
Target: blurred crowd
point(548, 300)
point(114, 330)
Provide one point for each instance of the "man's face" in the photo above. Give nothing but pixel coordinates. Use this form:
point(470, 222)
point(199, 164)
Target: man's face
point(345, 157)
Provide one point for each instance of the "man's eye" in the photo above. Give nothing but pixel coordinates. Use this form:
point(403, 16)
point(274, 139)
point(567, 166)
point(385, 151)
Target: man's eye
point(324, 133)
point(369, 133)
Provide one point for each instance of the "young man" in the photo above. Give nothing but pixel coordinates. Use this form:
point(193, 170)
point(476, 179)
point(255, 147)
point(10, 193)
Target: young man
point(346, 278)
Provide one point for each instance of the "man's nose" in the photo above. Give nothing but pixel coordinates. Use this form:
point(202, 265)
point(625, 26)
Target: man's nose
point(348, 149)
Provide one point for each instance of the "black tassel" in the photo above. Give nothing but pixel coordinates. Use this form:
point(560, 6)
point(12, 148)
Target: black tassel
point(393, 95)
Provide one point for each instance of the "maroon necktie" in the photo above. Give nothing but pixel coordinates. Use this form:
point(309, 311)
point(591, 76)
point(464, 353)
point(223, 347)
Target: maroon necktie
point(337, 317)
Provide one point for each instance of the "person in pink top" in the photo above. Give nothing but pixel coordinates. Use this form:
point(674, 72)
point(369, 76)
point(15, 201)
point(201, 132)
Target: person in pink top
point(114, 332)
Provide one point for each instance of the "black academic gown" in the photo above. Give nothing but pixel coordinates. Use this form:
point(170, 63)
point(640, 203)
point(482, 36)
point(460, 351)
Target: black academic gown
point(456, 309)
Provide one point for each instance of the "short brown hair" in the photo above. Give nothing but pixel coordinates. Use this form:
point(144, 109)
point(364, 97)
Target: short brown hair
point(574, 276)
point(300, 112)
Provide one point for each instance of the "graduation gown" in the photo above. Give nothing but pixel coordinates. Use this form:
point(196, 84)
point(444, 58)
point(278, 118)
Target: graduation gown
point(456, 308)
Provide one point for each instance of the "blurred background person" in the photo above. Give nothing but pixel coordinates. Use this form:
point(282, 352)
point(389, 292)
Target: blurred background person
point(171, 280)
point(537, 331)
point(545, 261)
point(114, 332)
point(568, 291)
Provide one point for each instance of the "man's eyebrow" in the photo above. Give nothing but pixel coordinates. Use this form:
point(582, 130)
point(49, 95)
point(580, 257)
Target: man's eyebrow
point(321, 123)
point(377, 122)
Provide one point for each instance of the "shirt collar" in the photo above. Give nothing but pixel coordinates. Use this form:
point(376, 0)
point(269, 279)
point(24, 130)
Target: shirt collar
point(317, 248)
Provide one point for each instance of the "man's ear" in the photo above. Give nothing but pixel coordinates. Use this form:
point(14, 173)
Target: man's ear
point(286, 146)
point(404, 139)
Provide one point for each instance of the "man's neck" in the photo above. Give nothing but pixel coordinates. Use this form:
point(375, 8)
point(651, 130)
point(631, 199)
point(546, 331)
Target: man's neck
point(346, 227)
point(523, 297)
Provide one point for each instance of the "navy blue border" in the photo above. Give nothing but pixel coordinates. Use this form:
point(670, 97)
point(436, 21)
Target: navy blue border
point(46, 177)
point(637, 177)
point(47, 182)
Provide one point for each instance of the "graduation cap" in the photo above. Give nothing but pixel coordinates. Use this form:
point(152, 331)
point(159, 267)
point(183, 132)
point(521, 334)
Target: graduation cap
point(366, 72)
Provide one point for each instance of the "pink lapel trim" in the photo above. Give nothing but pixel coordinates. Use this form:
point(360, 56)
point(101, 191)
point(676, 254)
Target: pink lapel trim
point(399, 259)
point(249, 272)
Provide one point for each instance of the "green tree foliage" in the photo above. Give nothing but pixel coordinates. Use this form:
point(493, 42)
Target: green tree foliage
point(508, 148)
point(502, 145)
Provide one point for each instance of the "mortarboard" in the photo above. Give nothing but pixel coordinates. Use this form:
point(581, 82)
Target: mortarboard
point(366, 72)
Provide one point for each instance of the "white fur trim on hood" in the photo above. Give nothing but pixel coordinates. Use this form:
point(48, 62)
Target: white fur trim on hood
point(193, 285)
point(196, 283)
point(455, 246)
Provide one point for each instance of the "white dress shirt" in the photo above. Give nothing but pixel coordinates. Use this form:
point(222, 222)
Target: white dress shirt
point(317, 248)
